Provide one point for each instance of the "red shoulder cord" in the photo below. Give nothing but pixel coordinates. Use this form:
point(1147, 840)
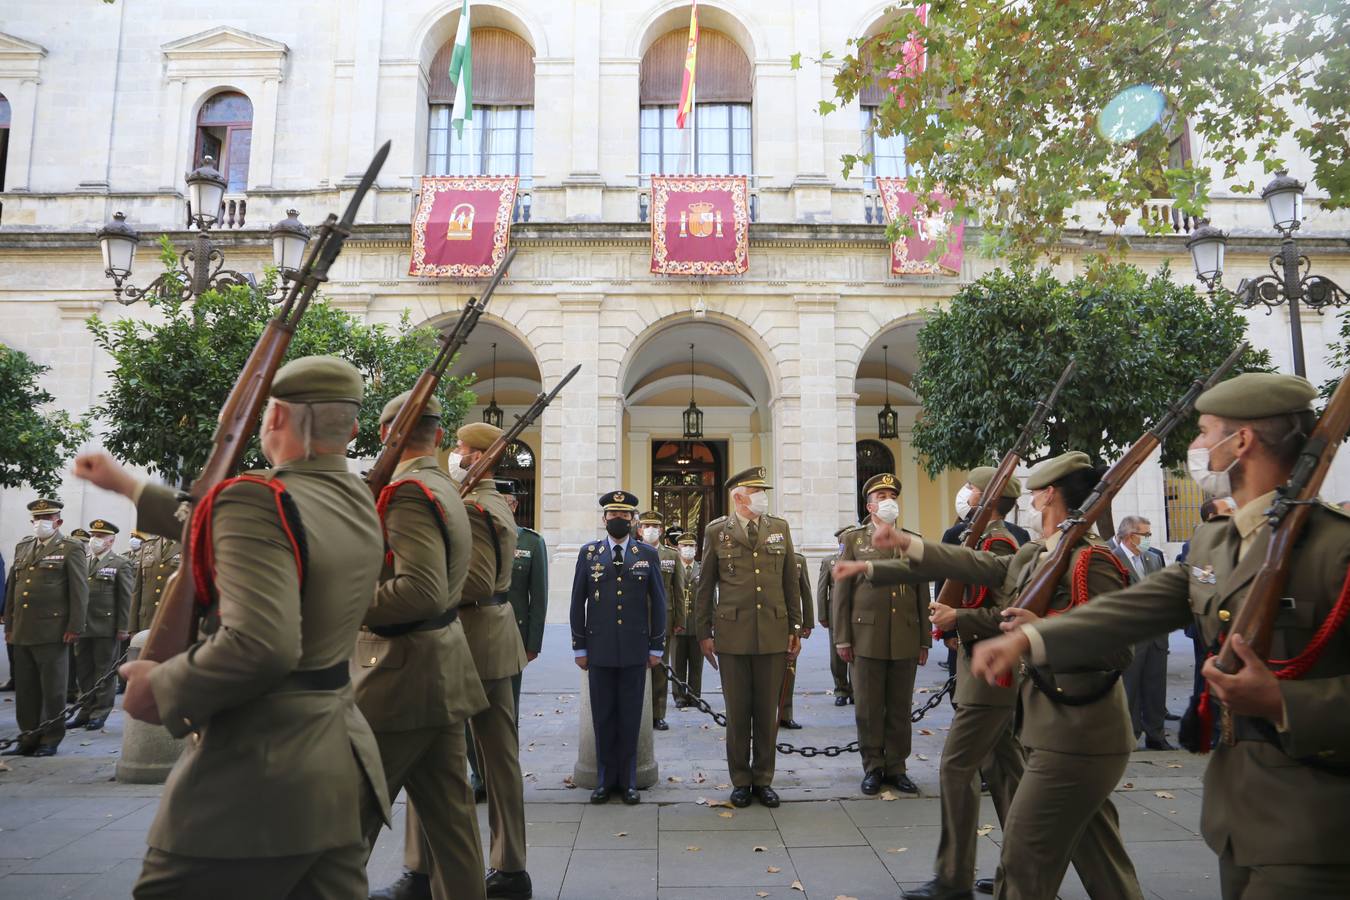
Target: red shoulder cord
point(974, 597)
point(203, 554)
point(387, 495)
point(1078, 591)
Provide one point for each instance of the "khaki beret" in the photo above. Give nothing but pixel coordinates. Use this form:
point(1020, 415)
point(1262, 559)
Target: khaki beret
point(318, 379)
point(981, 476)
point(622, 501)
point(1051, 470)
point(45, 506)
point(651, 517)
point(80, 534)
point(1257, 395)
point(103, 526)
point(755, 476)
point(390, 411)
point(688, 540)
point(478, 435)
point(885, 481)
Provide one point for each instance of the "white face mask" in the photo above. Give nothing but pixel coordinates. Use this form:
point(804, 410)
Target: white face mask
point(687, 553)
point(888, 511)
point(135, 543)
point(1031, 519)
point(44, 529)
point(1145, 543)
point(759, 503)
point(651, 535)
point(963, 506)
point(1212, 483)
point(99, 546)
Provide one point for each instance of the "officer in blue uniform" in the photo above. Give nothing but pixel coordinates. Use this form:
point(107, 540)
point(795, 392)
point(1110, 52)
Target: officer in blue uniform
point(618, 632)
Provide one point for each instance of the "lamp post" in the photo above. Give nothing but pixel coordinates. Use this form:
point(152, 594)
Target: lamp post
point(1289, 281)
point(202, 266)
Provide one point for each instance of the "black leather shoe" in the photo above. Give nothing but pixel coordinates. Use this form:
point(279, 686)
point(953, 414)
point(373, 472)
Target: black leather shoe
point(79, 720)
point(631, 797)
point(480, 794)
point(19, 750)
point(740, 797)
point(1171, 717)
point(850, 700)
point(984, 786)
point(509, 885)
point(45, 750)
point(767, 795)
point(410, 886)
point(790, 724)
point(682, 704)
point(600, 795)
point(936, 890)
point(1160, 744)
point(984, 885)
point(841, 700)
point(871, 783)
point(660, 725)
point(95, 724)
point(7, 686)
point(903, 784)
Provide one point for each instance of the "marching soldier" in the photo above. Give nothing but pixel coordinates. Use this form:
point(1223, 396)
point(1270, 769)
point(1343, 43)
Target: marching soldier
point(159, 558)
point(266, 799)
point(650, 527)
point(415, 679)
point(528, 593)
point(749, 623)
point(106, 625)
point(686, 658)
point(1272, 797)
point(785, 719)
point(46, 595)
point(883, 633)
point(843, 688)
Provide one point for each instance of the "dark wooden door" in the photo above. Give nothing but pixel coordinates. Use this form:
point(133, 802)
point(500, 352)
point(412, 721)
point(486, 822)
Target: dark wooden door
point(687, 480)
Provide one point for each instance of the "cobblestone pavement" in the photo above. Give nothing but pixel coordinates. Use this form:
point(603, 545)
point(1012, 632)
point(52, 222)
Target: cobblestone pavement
point(67, 829)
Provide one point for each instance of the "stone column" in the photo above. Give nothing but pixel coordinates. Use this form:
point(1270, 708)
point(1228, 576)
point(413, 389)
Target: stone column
point(148, 751)
point(584, 773)
point(825, 435)
point(639, 479)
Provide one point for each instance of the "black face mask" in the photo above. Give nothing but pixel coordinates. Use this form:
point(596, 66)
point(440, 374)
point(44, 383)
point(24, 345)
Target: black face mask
point(618, 528)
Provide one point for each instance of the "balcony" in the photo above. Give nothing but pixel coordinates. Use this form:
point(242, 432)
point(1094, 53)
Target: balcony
point(644, 202)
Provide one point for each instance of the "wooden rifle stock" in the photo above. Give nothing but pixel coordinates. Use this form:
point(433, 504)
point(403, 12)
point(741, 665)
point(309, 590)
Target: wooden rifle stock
point(1040, 590)
point(174, 627)
point(401, 427)
point(952, 590)
point(488, 461)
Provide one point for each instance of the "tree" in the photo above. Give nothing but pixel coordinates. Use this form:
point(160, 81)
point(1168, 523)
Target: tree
point(1010, 109)
point(169, 380)
point(1139, 341)
point(34, 446)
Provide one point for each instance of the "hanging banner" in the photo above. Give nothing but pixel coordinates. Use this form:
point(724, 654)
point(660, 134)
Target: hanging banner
point(912, 255)
point(700, 225)
point(462, 226)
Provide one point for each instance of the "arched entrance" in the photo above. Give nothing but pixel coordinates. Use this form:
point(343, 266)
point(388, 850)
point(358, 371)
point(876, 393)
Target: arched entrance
point(874, 458)
point(687, 478)
point(518, 465)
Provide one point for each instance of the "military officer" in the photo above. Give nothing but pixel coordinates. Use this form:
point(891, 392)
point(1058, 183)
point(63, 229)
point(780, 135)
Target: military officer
point(749, 621)
point(46, 594)
point(82, 536)
point(529, 590)
point(651, 524)
point(266, 799)
point(785, 719)
point(414, 676)
point(883, 633)
point(686, 659)
point(73, 675)
point(610, 574)
point(843, 688)
point(159, 558)
point(106, 625)
point(1273, 799)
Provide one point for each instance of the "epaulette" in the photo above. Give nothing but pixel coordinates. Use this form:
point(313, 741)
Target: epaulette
point(915, 533)
point(529, 529)
point(1331, 507)
point(717, 521)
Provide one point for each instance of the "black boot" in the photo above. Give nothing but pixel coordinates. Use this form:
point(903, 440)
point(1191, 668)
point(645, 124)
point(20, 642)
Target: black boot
point(509, 885)
point(411, 886)
point(936, 890)
point(871, 783)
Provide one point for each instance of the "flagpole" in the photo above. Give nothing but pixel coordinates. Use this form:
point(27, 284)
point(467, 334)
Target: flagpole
point(693, 111)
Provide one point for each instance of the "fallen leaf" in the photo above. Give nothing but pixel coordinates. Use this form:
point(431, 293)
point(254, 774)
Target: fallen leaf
point(3, 767)
point(724, 803)
point(726, 815)
point(984, 829)
point(1127, 786)
point(924, 731)
point(724, 787)
point(887, 795)
point(773, 870)
point(692, 849)
point(761, 893)
point(921, 756)
point(1164, 795)
point(567, 780)
point(621, 834)
point(526, 774)
point(897, 850)
point(761, 849)
point(844, 897)
point(675, 779)
point(1174, 765)
point(797, 886)
point(85, 743)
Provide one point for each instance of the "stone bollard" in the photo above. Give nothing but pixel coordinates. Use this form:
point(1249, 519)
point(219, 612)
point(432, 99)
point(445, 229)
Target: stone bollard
point(585, 774)
point(148, 752)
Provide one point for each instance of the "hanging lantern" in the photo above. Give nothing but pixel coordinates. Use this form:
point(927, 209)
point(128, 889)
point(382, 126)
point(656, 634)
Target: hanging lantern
point(693, 416)
point(493, 414)
point(888, 423)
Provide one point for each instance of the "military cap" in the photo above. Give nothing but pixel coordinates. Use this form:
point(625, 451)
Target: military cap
point(1257, 395)
point(80, 534)
point(318, 379)
point(651, 517)
point(688, 539)
point(433, 408)
point(140, 534)
point(478, 435)
point(621, 501)
point(103, 526)
point(508, 486)
point(1051, 470)
point(883, 482)
point(982, 475)
point(45, 506)
point(755, 476)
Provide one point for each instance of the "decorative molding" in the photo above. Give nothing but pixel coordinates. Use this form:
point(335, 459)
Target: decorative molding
point(224, 52)
point(19, 58)
point(78, 310)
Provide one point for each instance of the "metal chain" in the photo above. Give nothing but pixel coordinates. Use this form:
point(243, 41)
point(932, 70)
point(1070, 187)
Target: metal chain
point(71, 708)
point(832, 751)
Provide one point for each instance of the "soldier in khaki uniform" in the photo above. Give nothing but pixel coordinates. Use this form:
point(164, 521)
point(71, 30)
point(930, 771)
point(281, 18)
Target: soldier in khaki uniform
point(105, 625)
point(651, 525)
point(1274, 798)
point(414, 676)
point(749, 623)
point(843, 686)
point(267, 799)
point(686, 658)
point(785, 719)
point(1075, 721)
point(159, 558)
point(883, 633)
point(46, 594)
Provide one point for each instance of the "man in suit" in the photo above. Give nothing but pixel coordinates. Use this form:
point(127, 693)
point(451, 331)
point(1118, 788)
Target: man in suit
point(1146, 678)
point(650, 527)
point(686, 658)
point(106, 625)
point(617, 580)
point(843, 689)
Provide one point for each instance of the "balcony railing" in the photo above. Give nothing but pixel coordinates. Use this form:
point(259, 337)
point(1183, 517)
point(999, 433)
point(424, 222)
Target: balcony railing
point(1165, 213)
point(644, 201)
point(233, 211)
point(521, 212)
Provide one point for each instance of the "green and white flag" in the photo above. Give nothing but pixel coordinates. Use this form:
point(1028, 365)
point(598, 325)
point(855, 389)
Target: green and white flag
point(461, 73)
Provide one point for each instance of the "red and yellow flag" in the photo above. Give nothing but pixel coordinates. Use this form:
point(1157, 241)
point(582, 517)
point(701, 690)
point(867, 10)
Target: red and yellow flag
point(690, 61)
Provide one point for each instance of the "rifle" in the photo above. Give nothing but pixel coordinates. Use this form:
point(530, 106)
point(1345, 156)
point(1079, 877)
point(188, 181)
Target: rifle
point(951, 593)
point(382, 472)
point(493, 453)
point(174, 627)
point(1037, 594)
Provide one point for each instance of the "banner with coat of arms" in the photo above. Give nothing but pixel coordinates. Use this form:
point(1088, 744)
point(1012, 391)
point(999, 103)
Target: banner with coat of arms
point(462, 226)
point(912, 255)
point(700, 225)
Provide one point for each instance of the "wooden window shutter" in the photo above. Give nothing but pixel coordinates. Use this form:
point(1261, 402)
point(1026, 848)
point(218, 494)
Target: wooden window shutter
point(503, 70)
point(723, 70)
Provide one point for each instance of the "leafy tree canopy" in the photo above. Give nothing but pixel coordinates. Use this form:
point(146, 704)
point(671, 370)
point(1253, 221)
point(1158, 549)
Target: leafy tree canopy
point(34, 445)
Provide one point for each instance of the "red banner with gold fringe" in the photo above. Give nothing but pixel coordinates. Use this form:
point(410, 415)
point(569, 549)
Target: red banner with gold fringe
point(462, 226)
point(939, 230)
point(700, 225)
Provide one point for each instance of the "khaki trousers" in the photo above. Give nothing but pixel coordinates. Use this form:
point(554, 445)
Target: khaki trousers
point(40, 681)
point(750, 686)
point(337, 874)
point(430, 764)
point(687, 661)
point(661, 682)
point(1280, 882)
point(980, 740)
point(93, 656)
point(785, 713)
point(883, 691)
point(843, 687)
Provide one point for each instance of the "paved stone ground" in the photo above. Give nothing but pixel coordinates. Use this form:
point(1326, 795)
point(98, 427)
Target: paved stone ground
point(68, 830)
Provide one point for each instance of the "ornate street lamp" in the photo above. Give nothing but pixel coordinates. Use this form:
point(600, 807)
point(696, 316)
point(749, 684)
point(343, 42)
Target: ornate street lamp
point(888, 423)
point(493, 414)
point(693, 416)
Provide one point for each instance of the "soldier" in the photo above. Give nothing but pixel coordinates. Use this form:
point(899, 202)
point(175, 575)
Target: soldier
point(785, 719)
point(73, 675)
point(1273, 796)
point(650, 526)
point(883, 633)
point(159, 558)
point(686, 659)
point(1075, 722)
point(46, 595)
point(106, 625)
point(610, 573)
point(749, 622)
point(843, 688)
point(266, 799)
point(415, 679)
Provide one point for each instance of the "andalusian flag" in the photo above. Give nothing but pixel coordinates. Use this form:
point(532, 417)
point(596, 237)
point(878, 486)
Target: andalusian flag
point(690, 60)
point(461, 73)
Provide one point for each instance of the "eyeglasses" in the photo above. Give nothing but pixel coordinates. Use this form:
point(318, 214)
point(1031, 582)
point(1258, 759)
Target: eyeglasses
point(1144, 533)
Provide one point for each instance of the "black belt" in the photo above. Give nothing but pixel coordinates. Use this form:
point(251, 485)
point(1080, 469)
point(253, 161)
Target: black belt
point(433, 624)
point(330, 679)
point(1057, 695)
point(494, 600)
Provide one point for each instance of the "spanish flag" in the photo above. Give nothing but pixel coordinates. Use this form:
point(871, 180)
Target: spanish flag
point(690, 61)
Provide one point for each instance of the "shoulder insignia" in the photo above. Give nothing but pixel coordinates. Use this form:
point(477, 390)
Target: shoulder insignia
point(529, 529)
point(717, 521)
point(1331, 507)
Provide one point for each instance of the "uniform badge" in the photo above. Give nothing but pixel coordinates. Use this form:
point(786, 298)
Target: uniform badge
point(1205, 575)
point(667, 565)
point(775, 538)
point(641, 564)
point(597, 571)
point(523, 554)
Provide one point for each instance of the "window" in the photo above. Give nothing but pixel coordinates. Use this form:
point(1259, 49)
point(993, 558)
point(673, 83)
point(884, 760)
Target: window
point(225, 133)
point(723, 140)
point(1184, 499)
point(517, 464)
point(888, 153)
point(4, 137)
point(722, 113)
point(873, 458)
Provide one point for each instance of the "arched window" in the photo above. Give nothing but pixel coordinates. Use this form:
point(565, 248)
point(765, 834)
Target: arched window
point(499, 138)
point(225, 133)
point(4, 137)
point(874, 458)
point(517, 464)
point(722, 106)
point(888, 153)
